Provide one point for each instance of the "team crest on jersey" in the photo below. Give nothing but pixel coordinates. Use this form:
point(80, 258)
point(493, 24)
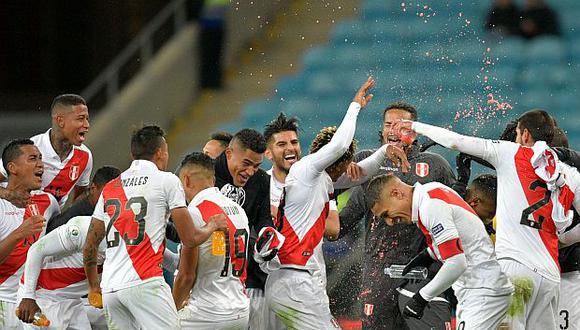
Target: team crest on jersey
point(368, 310)
point(236, 194)
point(74, 172)
point(422, 169)
point(33, 209)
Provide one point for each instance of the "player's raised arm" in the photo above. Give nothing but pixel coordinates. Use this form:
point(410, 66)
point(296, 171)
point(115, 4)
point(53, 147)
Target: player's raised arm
point(482, 148)
point(342, 139)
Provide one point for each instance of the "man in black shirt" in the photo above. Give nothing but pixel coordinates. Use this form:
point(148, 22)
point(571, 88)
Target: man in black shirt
point(386, 245)
point(85, 205)
point(239, 177)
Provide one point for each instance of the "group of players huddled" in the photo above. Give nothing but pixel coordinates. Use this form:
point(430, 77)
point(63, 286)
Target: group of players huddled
point(498, 250)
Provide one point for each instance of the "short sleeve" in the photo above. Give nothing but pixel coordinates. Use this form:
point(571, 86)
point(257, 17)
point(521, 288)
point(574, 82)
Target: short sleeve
point(196, 216)
point(174, 192)
point(99, 212)
point(85, 178)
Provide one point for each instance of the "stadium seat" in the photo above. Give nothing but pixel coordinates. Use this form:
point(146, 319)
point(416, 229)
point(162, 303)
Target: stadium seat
point(545, 50)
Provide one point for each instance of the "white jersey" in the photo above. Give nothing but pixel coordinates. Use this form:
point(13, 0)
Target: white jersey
point(451, 227)
point(308, 192)
point(525, 230)
point(61, 176)
point(135, 208)
point(54, 265)
point(11, 218)
point(219, 290)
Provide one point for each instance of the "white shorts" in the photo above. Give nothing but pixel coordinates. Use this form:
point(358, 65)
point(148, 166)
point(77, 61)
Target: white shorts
point(541, 311)
point(297, 301)
point(259, 312)
point(62, 313)
point(480, 309)
point(569, 307)
point(8, 319)
point(191, 318)
point(96, 316)
point(146, 306)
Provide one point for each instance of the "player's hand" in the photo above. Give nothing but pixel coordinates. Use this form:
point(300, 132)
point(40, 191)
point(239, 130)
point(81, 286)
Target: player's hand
point(398, 157)
point(96, 299)
point(423, 259)
point(355, 172)
point(219, 222)
point(361, 96)
point(463, 163)
point(31, 226)
point(404, 130)
point(18, 198)
point(415, 307)
point(26, 310)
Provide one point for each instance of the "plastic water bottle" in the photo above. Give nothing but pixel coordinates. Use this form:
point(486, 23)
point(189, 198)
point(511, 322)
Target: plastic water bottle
point(396, 271)
point(40, 319)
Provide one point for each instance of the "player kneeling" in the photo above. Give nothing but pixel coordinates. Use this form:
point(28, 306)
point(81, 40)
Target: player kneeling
point(455, 236)
point(209, 290)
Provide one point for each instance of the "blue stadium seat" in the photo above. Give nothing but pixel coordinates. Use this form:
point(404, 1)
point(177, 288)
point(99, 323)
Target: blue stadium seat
point(545, 50)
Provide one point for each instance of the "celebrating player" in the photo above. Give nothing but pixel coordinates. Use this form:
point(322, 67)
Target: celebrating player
point(526, 233)
point(456, 237)
point(211, 278)
point(131, 215)
point(20, 227)
point(217, 144)
point(67, 161)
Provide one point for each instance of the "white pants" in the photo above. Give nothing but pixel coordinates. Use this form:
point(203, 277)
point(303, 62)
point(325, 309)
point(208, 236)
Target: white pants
point(8, 319)
point(146, 306)
point(191, 318)
point(541, 311)
point(569, 307)
point(62, 313)
point(258, 310)
point(96, 316)
point(480, 309)
point(297, 301)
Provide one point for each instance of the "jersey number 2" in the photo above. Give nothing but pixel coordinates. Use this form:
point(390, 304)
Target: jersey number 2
point(131, 220)
point(239, 258)
point(526, 220)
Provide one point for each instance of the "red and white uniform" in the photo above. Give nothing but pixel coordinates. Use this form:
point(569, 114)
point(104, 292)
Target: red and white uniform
point(54, 275)
point(452, 228)
point(526, 235)
point(135, 209)
point(306, 205)
point(218, 299)
point(12, 268)
point(61, 176)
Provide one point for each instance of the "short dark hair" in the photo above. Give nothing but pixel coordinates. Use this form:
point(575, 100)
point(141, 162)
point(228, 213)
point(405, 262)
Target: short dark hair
point(280, 124)
point(560, 139)
point(224, 138)
point(12, 151)
point(486, 184)
point(105, 174)
point(509, 133)
point(375, 188)
point(323, 138)
point(539, 123)
point(400, 105)
point(250, 139)
point(198, 159)
point(67, 100)
point(146, 141)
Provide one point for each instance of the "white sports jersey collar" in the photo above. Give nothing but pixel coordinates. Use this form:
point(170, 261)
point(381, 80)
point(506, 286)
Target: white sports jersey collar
point(417, 200)
point(49, 152)
point(143, 164)
point(205, 194)
point(275, 181)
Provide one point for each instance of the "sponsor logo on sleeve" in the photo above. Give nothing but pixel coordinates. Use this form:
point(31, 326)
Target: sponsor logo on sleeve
point(437, 229)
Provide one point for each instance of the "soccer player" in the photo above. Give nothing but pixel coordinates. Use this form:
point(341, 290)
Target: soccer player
point(526, 233)
point(85, 205)
point(20, 227)
point(67, 161)
point(394, 245)
point(209, 288)
point(240, 178)
point(131, 215)
point(218, 142)
point(291, 292)
point(456, 237)
point(481, 195)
